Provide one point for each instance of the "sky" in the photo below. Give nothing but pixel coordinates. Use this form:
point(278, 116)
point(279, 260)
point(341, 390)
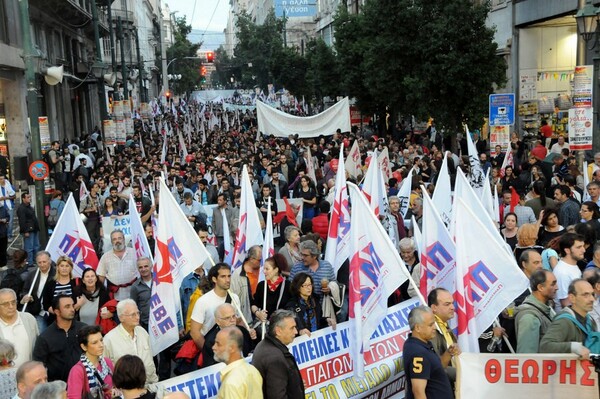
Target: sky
point(200, 17)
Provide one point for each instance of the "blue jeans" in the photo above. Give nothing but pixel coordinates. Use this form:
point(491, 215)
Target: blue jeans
point(32, 245)
point(11, 214)
point(42, 322)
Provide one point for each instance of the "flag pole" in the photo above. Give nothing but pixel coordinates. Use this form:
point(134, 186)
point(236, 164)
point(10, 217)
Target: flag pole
point(264, 323)
point(37, 273)
point(504, 337)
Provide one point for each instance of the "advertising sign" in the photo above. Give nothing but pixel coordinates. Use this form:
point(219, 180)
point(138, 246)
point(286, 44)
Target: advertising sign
point(580, 128)
point(583, 86)
point(295, 8)
point(502, 109)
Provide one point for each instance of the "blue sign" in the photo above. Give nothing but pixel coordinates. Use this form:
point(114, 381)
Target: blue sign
point(502, 109)
point(295, 8)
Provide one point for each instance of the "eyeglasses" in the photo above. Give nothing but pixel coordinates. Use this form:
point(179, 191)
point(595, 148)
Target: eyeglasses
point(9, 303)
point(305, 255)
point(306, 285)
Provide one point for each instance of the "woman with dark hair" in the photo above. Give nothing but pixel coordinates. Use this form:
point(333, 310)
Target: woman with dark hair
point(590, 213)
point(306, 307)
point(92, 298)
point(509, 232)
point(93, 374)
point(510, 180)
point(307, 192)
point(538, 199)
point(549, 226)
point(272, 293)
point(130, 378)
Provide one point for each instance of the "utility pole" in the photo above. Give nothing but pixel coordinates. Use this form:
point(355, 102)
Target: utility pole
point(33, 112)
point(123, 68)
point(100, 81)
point(140, 68)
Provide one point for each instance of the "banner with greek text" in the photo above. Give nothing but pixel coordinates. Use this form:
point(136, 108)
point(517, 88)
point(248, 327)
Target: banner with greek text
point(325, 364)
point(494, 376)
point(112, 223)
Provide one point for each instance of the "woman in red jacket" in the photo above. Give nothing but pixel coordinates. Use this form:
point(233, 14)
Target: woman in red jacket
point(320, 223)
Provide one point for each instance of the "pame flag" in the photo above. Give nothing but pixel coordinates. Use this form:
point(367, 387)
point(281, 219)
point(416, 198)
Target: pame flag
point(249, 232)
point(139, 242)
point(178, 253)
point(70, 238)
point(438, 255)
point(337, 249)
point(376, 270)
point(487, 278)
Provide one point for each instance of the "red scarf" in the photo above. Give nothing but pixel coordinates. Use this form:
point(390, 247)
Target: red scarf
point(273, 285)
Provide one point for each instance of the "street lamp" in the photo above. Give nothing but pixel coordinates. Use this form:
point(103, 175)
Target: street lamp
point(587, 27)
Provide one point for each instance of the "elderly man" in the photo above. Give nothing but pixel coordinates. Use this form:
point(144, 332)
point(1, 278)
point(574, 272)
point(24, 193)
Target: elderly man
point(319, 270)
point(425, 375)
point(19, 328)
point(225, 317)
point(534, 315)
point(129, 338)
point(50, 390)
point(30, 374)
point(58, 347)
point(239, 380)
point(193, 210)
point(564, 335)
point(40, 283)
point(278, 367)
point(244, 280)
point(118, 267)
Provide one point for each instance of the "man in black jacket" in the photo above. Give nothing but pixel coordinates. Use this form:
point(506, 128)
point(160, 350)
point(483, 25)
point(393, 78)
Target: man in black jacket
point(278, 367)
point(38, 283)
point(28, 227)
point(57, 347)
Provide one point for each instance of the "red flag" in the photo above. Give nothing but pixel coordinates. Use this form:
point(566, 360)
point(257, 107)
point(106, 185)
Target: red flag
point(514, 199)
point(289, 213)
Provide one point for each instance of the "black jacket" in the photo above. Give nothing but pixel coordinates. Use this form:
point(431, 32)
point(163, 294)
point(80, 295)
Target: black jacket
point(58, 350)
point(279, 370)
point(35, 306)
point(28, 222)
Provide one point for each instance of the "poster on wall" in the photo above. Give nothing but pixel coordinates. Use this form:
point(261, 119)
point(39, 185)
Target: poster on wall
point(580, 128)
point(121, 136)
point(499, 135)
point(583, 86)
point(109, 132)
point(44, 133)
point(528, 87)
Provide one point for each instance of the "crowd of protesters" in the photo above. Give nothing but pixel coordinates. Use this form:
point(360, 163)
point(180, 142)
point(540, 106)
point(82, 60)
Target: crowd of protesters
point(548, 218)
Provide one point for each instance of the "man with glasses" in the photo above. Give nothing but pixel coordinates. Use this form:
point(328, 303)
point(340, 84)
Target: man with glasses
point(225, 317)
point(19, 328)
point(563, 335)
point(244, 280)
point(129, 338)
point(319, 270)
point(28, 227)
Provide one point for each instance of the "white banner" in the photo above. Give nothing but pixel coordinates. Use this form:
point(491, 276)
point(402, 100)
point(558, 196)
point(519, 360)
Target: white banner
point(497, 376)
point(325, 364)
point(279, 124)
point(112, 223)
point(581, 123)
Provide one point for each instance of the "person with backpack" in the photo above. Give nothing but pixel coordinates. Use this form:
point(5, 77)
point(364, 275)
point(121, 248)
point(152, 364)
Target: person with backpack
point(54, 159)
point(573, 330)
point(57, 204)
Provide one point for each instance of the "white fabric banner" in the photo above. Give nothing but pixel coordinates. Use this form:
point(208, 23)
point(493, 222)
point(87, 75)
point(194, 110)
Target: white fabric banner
point(279, 124)
point(353, 162)
point(442, 195)
point(499, 376)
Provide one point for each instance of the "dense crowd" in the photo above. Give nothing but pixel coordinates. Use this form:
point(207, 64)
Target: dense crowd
point(548, 218)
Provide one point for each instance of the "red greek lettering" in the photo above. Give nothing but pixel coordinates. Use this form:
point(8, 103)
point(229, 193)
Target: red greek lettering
point(493, 371)
point(512, 371)
point(548, 369)
point(568, 368)
point(530, 378)
point(586, 378)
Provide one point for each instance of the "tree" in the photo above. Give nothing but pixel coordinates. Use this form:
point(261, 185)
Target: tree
point(420, 57)
point(322, 75)
point(181, 48)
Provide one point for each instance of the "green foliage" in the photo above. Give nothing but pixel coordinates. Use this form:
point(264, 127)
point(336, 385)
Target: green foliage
point(181, 48)
point(420, 57)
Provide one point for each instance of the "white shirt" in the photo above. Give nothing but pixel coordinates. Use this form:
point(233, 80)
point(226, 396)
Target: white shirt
point(564, 273)
point(17, 335)
point(205, 306)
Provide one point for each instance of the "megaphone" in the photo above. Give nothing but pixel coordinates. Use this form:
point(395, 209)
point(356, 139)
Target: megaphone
point(54, 75)
point(110, 78)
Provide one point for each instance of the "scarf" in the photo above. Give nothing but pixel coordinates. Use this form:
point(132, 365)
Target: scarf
point(93, 373)
point(273, 285)
point(295, 255)
point(310, 315)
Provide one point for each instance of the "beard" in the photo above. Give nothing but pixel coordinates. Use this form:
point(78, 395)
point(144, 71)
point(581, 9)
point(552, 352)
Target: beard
point(119, 246)
point(224, 357)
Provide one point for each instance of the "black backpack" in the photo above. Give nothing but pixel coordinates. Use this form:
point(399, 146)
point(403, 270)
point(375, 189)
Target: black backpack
point(52, 217)
point(48, 159)
point(12, 279)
